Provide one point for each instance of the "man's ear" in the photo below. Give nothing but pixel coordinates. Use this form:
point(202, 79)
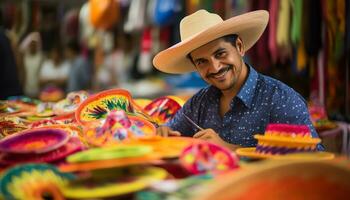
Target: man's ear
point(240, 46)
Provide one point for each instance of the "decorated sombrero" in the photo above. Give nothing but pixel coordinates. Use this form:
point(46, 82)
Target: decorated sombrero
point(163, 109)
point(285, 141)
point(70, 103)
point(116, 128)
point(72, 146)
point(207, 157)
point(97, 106)
point(34, 181)
point(282, 180)
point(113, 182)
point(34, 141)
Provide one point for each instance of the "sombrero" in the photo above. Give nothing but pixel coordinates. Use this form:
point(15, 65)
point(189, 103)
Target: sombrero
point(202, 27)
point(282, 180)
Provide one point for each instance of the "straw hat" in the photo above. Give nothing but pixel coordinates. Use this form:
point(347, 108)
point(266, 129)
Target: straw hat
point(202, 27)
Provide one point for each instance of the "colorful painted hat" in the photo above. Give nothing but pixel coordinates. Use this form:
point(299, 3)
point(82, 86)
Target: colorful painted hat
point(97, 106)
point(109, 153)
point(70, 103)
point(207, 157)
point(34, 141)
point(163, 109)
point(287, 180)
point(116, 128)
point(33, 181)
point(285, 141)
point(72, 146)
point(113, 182)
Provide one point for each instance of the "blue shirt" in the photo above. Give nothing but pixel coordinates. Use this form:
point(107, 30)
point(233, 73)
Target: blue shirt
point(260, 101)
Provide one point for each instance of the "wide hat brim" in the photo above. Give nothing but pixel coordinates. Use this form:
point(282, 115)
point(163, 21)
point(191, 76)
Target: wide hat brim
point(249, 27)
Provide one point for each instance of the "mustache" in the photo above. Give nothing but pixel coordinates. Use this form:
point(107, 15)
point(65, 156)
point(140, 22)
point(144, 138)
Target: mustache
point(224, 69)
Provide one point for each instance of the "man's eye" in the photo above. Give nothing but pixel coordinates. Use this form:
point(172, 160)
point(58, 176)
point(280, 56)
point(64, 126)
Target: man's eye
point(199, 62)
point(220, 54)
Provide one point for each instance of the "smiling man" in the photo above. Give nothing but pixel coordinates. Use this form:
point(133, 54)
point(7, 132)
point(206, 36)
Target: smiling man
point(239, 102)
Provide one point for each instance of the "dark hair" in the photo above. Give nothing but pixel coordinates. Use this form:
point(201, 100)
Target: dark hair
point(232, 38)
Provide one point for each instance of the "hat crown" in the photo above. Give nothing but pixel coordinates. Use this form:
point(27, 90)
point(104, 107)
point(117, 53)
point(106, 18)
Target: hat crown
point(197, 22)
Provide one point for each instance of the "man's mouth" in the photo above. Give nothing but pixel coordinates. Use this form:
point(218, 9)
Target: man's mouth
point(221, 73)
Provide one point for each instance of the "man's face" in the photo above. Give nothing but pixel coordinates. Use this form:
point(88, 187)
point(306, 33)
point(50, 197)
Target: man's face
point(219, 63)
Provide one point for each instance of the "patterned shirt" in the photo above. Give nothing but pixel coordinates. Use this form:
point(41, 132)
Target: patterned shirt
point(260, 101)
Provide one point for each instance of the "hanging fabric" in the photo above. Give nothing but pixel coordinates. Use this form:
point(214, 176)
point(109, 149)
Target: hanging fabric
point(136, 16)
point(166, 11)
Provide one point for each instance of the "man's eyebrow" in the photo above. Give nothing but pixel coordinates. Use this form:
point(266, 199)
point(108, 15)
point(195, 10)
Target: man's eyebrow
point(218, 50)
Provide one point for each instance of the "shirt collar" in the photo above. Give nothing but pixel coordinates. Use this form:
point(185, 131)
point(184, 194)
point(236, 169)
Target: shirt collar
point(247, 91)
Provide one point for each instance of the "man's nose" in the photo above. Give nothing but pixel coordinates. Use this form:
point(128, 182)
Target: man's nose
point(214, 65)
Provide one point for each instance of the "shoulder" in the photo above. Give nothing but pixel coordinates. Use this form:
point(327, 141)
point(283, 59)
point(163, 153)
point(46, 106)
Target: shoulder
point(204, 93)
point(275, 86)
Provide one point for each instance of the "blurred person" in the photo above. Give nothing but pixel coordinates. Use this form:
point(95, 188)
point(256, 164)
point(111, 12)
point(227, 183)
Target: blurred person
point(32, 61)
point(54, 71)
point(9, 81)
point(116, 66)
point(81, 70)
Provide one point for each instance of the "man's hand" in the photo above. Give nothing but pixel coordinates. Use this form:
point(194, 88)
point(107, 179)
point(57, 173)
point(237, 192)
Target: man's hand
point(166, 131)
point(211, 136)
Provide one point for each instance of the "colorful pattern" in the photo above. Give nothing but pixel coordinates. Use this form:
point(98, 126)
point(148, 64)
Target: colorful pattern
point(207, 157)
point(118, 127)
point(110, 153)
point(72, 146)
point(99, 105)
point(286, 138)
point(114, 182)
point(286, 180)
point(251, 153)
point(163, 109)
point(319, 118)
point(34, 141)
point(33, 181)
point(70, 103)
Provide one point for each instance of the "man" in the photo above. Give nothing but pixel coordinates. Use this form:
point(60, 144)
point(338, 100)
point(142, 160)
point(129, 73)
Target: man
point(239, 102)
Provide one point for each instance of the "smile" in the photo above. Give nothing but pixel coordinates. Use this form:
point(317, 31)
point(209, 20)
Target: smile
point(221, 74)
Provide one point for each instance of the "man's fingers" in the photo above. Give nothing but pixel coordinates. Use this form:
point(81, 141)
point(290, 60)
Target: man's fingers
point(174, 133)
point(166, 131)
point(199, 134)
point(162, 131)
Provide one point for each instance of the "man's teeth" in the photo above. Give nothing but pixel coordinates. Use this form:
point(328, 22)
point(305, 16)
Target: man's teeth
point(221, 74)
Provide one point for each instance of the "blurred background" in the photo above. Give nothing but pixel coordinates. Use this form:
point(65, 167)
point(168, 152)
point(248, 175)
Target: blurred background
point(94, 45)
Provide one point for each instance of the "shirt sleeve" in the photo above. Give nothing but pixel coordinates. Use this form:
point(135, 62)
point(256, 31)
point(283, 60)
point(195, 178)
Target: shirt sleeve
point(291, 108)
point(180, 123)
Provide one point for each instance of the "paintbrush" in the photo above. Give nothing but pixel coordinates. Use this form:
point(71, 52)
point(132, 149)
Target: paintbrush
point(192, 122)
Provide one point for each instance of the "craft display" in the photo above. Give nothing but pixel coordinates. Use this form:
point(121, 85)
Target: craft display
point(72, 146)
point(11, 125)
point(116, 128)
point(319, 118)
point(285, 139)
point(51, 94)
point(165, 147)
point(275, 180)
point(163, 109)
point(34, 141)
point(16, 108)
point(70, 103)
point(204, 157)
point(110, 153)
point(33, 181)
point(97, 106)
point(113, 182)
